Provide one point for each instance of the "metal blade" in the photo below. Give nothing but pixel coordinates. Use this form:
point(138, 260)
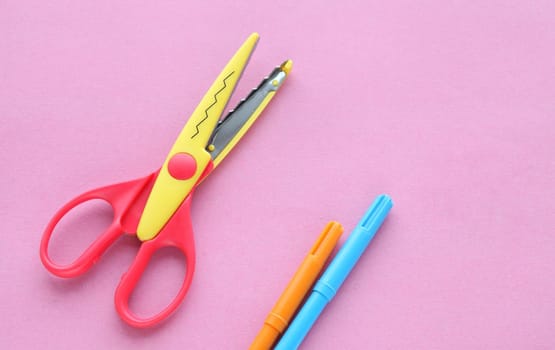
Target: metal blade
point(238, 121)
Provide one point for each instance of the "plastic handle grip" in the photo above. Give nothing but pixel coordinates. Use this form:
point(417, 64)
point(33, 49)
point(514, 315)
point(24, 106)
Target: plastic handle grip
point(119, 196)
point(177, 233)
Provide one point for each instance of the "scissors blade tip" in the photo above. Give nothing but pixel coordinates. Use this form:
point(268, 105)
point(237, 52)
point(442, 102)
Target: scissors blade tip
point(287, 66)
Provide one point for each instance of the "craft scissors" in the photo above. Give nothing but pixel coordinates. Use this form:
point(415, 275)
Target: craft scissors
point(155, 208)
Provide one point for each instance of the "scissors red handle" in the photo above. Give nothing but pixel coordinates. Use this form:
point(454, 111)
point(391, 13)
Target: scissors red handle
point(128, 200)
point(178, 233)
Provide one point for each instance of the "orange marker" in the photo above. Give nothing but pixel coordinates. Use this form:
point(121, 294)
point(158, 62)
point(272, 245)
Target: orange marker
point(298, 287)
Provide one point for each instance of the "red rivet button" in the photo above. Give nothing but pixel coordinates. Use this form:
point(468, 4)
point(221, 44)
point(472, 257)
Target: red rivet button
point(182, 166)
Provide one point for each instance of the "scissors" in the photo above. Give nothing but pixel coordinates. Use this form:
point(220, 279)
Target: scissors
point(155, 208)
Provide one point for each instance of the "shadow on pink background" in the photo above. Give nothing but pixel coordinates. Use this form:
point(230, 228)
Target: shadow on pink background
point(448, 106)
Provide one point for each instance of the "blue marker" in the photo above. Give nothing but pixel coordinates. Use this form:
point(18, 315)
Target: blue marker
point(325, 289)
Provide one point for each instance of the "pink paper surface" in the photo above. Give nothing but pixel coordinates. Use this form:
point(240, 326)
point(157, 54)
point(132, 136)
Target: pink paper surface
point(448, 106)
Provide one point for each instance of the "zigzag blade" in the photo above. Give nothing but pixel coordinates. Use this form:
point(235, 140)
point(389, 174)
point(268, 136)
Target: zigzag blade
point(197, 131)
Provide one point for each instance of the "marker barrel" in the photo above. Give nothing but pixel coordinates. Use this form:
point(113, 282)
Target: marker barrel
point(334, 276)
point(299, 286)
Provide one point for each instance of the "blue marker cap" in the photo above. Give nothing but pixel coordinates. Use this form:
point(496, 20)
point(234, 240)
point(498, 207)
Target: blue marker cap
point(336, 273)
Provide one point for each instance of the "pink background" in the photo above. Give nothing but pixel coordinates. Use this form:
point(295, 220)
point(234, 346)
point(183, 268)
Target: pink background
point(448, 106)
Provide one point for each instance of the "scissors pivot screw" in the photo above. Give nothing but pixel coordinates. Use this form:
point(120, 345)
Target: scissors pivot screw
point(182, 166)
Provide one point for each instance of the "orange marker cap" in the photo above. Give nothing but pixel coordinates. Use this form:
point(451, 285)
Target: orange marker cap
point(298, 287)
